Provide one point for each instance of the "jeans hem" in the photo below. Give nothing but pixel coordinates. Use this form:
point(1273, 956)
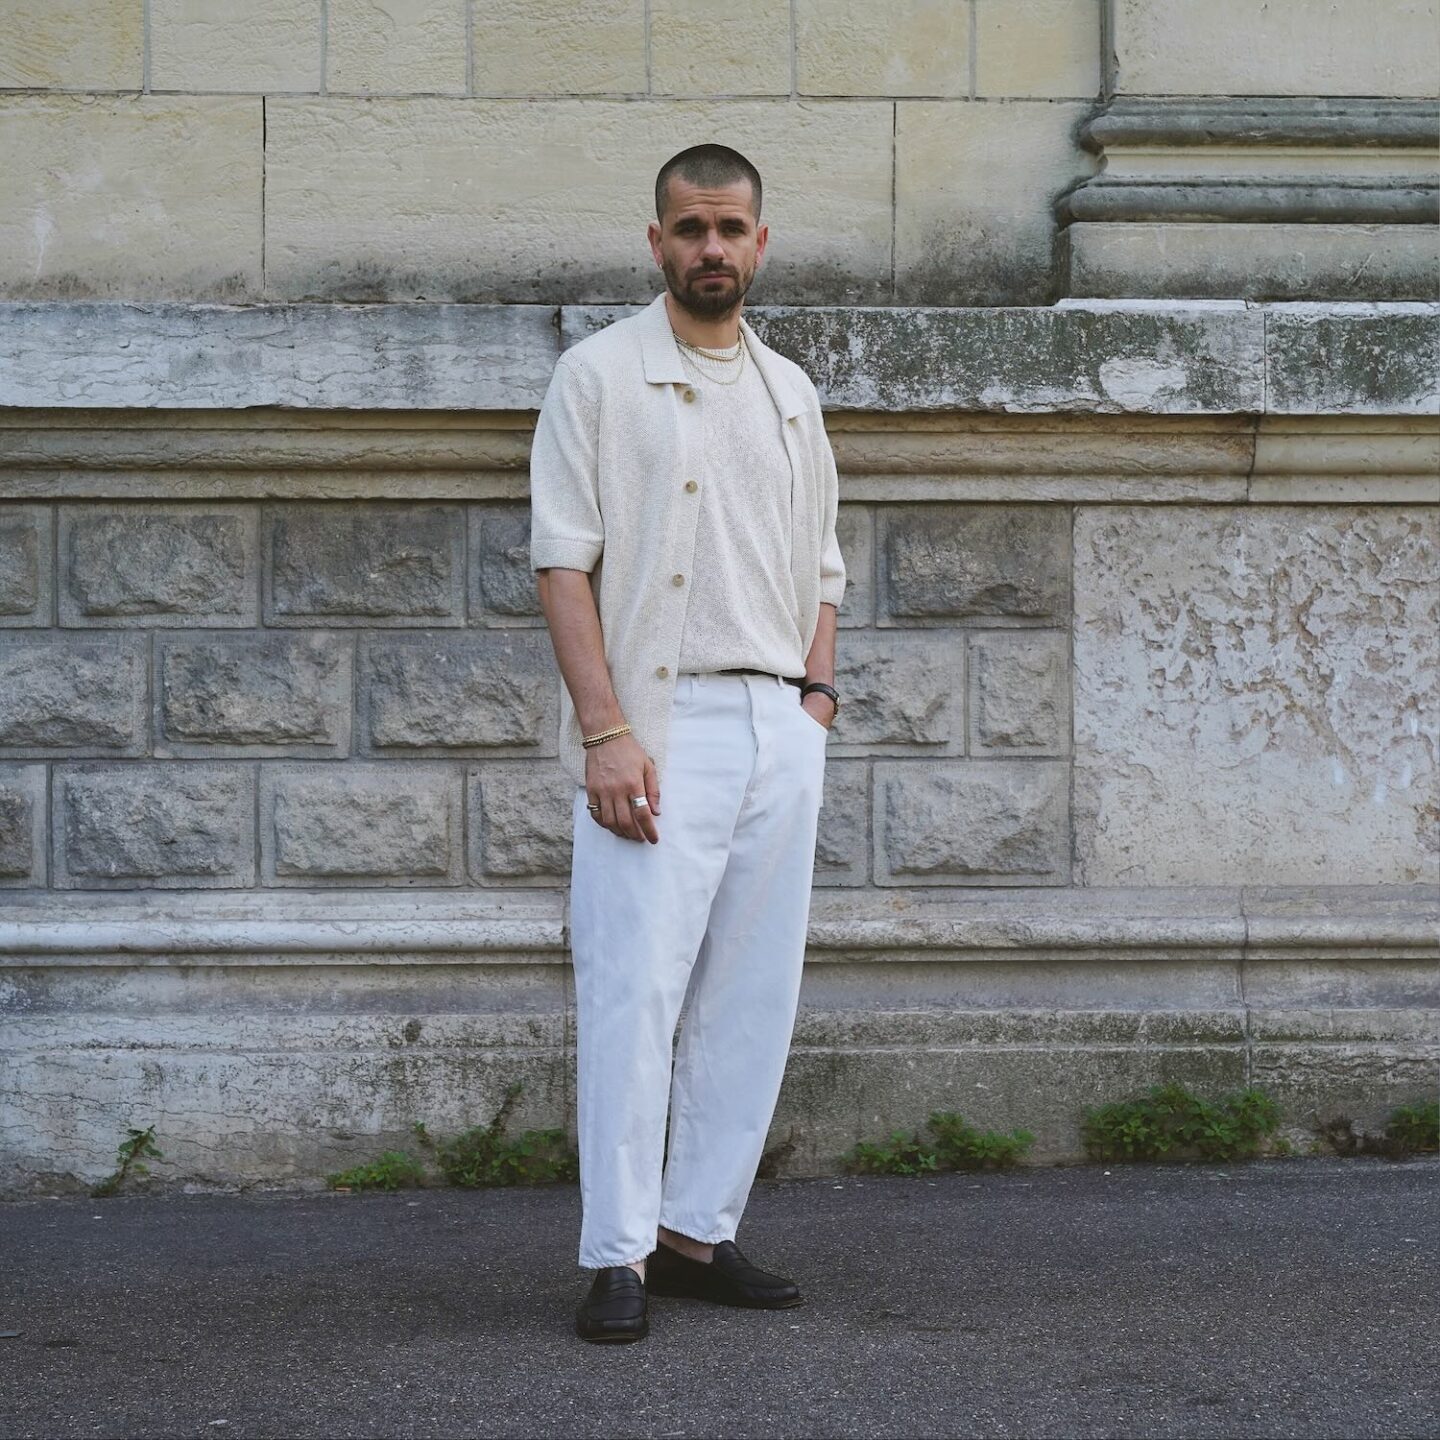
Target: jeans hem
point(698, 1239)
point(608, 1264)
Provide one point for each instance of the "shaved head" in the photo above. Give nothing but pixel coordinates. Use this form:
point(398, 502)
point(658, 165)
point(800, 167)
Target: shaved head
point(713, 167)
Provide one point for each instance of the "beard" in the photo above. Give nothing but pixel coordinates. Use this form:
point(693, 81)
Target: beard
point(705, 301)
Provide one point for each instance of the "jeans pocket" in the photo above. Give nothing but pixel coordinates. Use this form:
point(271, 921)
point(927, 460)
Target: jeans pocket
point(684, 694)
point(810, 720)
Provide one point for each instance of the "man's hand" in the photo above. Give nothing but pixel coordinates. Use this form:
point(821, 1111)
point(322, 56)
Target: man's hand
point(615, 771)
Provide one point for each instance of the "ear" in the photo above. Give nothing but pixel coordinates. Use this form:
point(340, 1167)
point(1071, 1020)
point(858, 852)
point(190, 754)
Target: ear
point(762, 235)
point(652, 234)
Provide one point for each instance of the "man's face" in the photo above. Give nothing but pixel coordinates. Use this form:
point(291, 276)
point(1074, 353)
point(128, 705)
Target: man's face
point(709, 247)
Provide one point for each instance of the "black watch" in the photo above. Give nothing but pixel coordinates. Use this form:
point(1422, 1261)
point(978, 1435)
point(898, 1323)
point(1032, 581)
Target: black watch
point(824, 689)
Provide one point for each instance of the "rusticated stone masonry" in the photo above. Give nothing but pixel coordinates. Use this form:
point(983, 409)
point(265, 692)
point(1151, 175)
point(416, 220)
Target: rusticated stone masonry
point(233, 695)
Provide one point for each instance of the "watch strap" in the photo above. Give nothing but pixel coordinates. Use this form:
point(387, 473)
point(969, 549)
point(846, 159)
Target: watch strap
point(824, 689)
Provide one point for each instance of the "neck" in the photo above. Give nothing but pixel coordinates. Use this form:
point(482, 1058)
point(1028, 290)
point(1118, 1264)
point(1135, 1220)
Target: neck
point(718, 334)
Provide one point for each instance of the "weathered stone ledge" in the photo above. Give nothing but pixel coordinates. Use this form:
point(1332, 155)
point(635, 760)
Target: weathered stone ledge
point(1096, 357)
point(277, 1038)
point(269, 454)
point(1102, 924)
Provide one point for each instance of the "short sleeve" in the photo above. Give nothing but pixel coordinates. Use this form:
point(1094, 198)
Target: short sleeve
point(565, 524)
point(832, 563)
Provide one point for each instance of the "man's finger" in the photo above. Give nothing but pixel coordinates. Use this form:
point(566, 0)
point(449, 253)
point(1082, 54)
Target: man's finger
point(645, 814)
point(626, 812)
point(608, 818)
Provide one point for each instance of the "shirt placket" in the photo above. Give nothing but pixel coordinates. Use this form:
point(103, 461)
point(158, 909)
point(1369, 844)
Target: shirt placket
point(797, 488)
point(684, 507)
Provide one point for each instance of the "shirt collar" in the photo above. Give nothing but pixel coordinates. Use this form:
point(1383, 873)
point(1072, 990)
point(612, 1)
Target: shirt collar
point(663, 365)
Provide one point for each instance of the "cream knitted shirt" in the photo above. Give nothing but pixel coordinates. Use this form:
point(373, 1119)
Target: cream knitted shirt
point(743, 609)
point(617, 474)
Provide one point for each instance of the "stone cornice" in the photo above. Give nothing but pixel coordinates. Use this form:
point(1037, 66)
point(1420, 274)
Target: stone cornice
point(1265, 199)
point(267, 454)
point(1256, 160)
point(1245, 201)
point(1166, 358)
point(1262, 121)
point(1382, 923)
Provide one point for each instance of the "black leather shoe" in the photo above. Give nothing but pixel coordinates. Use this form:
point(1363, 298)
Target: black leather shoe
point(729, 1279)
point(615, 1308)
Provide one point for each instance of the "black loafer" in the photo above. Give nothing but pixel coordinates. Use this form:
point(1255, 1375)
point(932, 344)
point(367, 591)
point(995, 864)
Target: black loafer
point(615, 1308)
point(729, 1279)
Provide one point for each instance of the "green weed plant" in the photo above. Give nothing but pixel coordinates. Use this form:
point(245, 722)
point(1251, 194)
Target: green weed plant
point(1411, 1130)
point(140, 1143)
point(1415, 1129)
point(1170, 1123)
point(952, 1144)
point(483, 1156)
point(394, 1170)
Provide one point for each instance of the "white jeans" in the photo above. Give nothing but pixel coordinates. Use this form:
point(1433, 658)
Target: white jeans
point(721, 903)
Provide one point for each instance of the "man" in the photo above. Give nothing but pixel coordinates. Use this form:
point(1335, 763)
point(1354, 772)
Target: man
point(683, 502)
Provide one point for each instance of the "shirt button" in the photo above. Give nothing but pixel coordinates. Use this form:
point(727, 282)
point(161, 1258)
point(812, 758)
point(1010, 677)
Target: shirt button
point(677, 579)
point(691, 485)
point(689, 394)
point(662, 671)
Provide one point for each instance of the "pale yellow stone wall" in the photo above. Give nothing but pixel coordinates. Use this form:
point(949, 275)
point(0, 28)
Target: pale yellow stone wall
point(1287, 47)
point(466, 199)
point(131, 196)
point(504, 150)
point(748, 54)
point(208, 45)
point(1037, 47)
point(383, 46)
point(975, 189)
point(557, 47)
point(71, 44)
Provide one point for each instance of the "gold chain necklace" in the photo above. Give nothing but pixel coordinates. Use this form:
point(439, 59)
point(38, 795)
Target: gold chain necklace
point(695, 353)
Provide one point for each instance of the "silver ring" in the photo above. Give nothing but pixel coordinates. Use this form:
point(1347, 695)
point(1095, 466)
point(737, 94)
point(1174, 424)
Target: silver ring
point(638, 800)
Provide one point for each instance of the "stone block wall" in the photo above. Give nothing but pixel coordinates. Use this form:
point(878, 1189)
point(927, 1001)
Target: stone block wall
point(242, 695)
point(1123, 315)
point(1135, 779)
point(913, 153)
point(186, 683)
point(1233, 47)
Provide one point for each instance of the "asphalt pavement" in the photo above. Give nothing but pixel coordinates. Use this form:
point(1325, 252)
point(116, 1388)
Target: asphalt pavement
point(1281, 1298)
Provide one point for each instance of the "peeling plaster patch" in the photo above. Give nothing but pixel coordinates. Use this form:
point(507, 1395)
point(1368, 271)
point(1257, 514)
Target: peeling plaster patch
point(1139, 384)
point(1254, 694)
point(1041, 399)
point(43, 226)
